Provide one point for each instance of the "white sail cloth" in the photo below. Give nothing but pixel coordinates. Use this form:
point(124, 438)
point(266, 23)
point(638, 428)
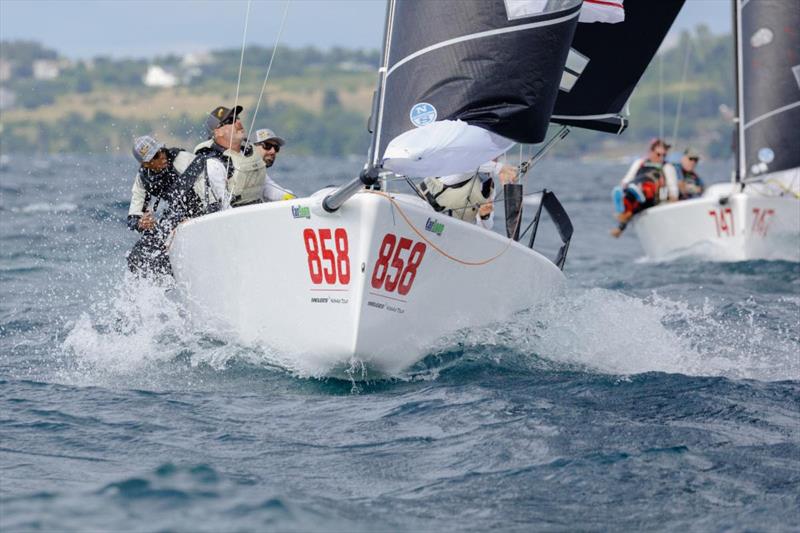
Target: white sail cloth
point(609, 11)
point(441, 148)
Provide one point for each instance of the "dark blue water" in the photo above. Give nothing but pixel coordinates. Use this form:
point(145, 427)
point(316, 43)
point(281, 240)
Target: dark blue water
point(647, 397)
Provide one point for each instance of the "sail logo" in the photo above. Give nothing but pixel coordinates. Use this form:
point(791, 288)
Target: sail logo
point(434, 226)
point(422, 114)
point(301, 212)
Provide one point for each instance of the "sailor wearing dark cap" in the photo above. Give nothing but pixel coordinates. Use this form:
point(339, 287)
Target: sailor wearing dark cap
point(235, 172)
point(268, 144)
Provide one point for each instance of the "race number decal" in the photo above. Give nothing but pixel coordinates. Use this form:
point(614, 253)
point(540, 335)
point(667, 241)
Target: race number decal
point(761, 220)
point(723, 221)
point(328, 255)
point(397, 263)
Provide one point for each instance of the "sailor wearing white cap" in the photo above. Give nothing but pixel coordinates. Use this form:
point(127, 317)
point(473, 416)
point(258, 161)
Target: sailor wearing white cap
point(162, 175)
point(168, 174)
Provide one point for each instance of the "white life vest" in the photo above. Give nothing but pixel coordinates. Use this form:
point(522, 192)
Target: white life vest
point(461, 200)
point(249, 173)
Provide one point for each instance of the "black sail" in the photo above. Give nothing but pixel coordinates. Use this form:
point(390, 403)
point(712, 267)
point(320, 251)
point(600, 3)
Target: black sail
point(470, 60)
point(608, 60)
point(769, 45)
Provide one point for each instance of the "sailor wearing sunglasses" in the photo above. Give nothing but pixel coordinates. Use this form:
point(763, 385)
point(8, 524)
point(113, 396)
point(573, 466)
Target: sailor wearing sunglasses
point(268, 145)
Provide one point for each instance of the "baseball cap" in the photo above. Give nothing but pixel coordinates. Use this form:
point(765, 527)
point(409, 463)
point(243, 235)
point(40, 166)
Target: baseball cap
point(691, 153)
point(220, 114)
point(145, 148)
point(265, 134)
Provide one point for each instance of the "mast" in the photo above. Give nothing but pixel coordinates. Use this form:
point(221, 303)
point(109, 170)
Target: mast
point(739, 152)
point(369, 174)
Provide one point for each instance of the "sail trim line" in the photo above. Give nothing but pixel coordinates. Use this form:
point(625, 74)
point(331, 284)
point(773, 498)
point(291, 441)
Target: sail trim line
point(481, 35)
point(772, 114)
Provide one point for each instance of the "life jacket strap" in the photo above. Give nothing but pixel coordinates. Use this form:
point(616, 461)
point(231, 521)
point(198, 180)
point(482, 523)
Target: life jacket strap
point(430, 197)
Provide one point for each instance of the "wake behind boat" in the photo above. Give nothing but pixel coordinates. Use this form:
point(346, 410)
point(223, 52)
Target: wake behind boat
point(363, 279)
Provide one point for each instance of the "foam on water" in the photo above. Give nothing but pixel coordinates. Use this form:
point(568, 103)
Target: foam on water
point(46, 207)
point(141, 332)
point(614, 333)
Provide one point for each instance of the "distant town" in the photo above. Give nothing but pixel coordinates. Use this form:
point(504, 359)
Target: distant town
point(318, 99)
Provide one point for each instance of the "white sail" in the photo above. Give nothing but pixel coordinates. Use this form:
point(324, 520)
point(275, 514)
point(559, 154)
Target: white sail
point(443, 147)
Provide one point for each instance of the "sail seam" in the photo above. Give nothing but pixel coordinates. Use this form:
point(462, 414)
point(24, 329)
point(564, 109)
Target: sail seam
point(586, 117)
point(772, 113)
point(480, 35)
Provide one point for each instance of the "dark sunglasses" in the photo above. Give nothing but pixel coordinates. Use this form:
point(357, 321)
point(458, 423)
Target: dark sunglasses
point(267, 146)
point(660, 154)
point(695, 159)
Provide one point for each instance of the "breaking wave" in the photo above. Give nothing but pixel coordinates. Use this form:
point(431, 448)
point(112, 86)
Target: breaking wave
point(141, 336)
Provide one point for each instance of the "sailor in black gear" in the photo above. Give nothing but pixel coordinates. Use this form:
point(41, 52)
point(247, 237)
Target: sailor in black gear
point(169, 175)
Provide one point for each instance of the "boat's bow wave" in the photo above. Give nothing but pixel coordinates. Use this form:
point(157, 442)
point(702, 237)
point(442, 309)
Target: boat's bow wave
point(140, 337)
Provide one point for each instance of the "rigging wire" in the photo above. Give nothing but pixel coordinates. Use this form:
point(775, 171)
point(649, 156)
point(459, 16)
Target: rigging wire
point(241, 64)
point(269, 68)
point(686, 56)
point(661, 95)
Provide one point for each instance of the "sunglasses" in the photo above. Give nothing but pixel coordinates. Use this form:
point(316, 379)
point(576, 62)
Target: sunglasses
point(267, 146)
point(695, 159)
point(660, 154)
point(227, 121)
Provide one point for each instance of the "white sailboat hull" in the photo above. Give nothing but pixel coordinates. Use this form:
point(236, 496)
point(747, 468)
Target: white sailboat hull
point(365, 284)
point(723, 226)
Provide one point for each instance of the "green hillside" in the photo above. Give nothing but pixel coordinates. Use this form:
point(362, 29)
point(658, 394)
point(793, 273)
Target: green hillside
point(319, 100)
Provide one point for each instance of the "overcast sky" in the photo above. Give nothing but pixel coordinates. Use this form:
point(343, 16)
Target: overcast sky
point(144, 28)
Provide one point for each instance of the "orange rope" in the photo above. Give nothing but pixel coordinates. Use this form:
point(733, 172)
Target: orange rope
point(433, 245)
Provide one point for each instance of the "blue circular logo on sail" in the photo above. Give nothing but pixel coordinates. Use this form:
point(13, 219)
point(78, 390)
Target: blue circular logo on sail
point(422, 114)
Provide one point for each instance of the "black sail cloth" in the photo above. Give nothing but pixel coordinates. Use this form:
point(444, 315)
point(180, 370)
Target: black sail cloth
point(466, 60)
point(618, 55)
point(770, 70)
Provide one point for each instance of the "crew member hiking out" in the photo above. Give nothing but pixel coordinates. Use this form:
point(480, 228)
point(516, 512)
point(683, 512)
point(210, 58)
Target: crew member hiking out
point(235, 172)
point(649, 180)
point(469, 196)
point(169, 175)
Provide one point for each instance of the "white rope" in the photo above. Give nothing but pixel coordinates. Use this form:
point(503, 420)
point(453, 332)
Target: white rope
point(269, 68)
point(241, 64)
point(683, 90)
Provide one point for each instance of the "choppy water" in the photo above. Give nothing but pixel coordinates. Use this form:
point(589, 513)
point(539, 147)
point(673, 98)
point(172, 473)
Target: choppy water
point(648, 396)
